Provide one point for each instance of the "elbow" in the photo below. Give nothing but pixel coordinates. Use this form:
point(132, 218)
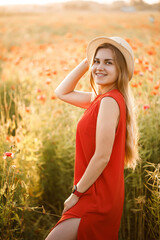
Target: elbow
point(102, 159)
point(57, 93)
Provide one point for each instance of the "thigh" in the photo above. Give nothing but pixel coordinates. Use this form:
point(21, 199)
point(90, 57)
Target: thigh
point(66, 230)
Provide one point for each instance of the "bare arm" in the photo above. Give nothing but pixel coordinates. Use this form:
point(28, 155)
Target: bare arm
point(65, 91)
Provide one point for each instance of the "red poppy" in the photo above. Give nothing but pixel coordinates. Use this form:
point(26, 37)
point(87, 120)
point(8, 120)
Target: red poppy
point(157, 86)
point(151, 52)
point(41, 98)
point(8, 154)
point(140, 83)
point(48, 81)
point(135, 85)
point(154, 92)
point(18, 139)
point(146, 106)
point(53, 97)
point(136, 72)
point(54, 72)
point(8, 139)
point(39, 90)
point(27, 109)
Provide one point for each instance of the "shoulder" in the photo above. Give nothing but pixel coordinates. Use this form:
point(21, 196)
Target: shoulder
point(108, 115)
point(108, 104)
point(116, 98)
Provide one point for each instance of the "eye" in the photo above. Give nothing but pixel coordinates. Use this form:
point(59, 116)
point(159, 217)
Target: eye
point(108, 63)
point(95, 61)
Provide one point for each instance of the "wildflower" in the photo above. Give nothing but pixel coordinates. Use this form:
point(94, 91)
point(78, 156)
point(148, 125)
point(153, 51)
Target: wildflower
point(13, 87)
point(140, 60)
point(151, 52)
point(128, 40)
point(54, 72)
point(48, 74)
point(154, 92)
point(146, 106)
point(48, 81)
point(18, 139)
point(41, 98)
point(39, 90)
point(157, 86)
point(136, 72)
point(8, 154)
point(53, 97)
point(8, 139)
point(135, 85)
point(134, 47)
point(151, 79)
point(146, 63)
point(27, 109)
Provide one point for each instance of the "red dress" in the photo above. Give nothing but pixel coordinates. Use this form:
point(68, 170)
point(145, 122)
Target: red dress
point(101, 206)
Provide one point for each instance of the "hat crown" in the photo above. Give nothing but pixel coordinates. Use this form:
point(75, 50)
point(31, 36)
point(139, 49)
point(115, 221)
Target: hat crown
point(123, 43)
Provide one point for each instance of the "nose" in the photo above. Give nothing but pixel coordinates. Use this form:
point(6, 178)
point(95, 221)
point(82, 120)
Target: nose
point(100, 66)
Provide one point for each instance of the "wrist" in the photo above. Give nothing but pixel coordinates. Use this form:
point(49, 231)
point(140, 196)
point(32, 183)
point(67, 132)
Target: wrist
point(76, 192)
point(85, 63)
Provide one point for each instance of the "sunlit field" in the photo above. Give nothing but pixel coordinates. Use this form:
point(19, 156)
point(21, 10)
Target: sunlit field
point(37, 140)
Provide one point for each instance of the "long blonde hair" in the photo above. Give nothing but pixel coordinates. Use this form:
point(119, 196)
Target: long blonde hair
point(131, 146)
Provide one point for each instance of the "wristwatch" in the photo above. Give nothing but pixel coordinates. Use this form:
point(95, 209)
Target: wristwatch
point(74, 191)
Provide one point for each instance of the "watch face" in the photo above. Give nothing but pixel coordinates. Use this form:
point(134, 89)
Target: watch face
point(74, 188)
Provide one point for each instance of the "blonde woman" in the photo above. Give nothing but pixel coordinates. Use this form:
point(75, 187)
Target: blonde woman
point(106, 142)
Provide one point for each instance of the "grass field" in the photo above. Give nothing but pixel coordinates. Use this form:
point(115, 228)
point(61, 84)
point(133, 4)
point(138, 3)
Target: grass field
point(37, 144)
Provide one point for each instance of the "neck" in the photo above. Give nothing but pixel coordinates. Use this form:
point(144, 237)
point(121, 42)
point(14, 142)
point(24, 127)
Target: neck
point(106, 89)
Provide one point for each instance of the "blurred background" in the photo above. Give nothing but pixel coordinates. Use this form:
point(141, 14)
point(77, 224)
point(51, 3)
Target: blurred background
point(40, 43)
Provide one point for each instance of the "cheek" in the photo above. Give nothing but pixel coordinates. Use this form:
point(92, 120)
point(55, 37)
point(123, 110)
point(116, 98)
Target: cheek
point(93, 69)
point(114, 70)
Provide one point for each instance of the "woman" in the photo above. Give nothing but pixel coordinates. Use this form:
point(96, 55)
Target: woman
point(106, 141)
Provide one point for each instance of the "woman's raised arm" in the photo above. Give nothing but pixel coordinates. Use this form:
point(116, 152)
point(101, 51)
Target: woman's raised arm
point(65, 91)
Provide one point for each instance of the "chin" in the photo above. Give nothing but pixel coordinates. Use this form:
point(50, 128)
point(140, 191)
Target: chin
point(101, 83)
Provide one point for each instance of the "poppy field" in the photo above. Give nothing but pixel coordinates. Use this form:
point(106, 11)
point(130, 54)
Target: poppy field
point(37, 140)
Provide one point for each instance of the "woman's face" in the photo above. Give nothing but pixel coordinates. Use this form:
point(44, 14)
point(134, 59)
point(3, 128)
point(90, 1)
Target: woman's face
point(104, 71)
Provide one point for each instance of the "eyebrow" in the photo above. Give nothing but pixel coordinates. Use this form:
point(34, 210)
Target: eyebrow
point(106, 59)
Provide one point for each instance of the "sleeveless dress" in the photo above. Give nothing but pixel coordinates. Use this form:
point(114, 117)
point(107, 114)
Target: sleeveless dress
point(100, 208)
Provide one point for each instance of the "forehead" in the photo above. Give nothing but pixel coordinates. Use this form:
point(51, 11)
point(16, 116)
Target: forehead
point(104, 53)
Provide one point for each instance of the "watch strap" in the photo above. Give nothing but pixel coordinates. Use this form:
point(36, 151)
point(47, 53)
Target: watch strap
point(78, 194)
point(74, 191)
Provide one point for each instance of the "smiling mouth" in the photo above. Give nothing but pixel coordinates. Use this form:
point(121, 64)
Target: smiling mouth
point(101, 75)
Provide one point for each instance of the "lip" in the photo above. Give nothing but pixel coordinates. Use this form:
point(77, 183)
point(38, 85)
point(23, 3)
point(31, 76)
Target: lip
point(101, 74)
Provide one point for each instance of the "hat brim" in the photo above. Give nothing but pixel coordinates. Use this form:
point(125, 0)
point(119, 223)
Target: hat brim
point(128, 54)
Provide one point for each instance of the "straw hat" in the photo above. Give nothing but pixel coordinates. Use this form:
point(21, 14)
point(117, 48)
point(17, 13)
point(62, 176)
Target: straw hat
point(119, 43)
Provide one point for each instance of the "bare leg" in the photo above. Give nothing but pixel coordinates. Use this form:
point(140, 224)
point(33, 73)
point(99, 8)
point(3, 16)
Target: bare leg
point(66, 230)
